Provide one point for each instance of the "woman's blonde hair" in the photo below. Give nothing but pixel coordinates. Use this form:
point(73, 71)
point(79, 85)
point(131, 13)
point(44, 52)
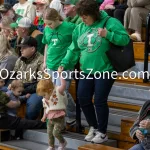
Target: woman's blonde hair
point(4, 46)
point(44, 86)
point(17, 84)
point(52, 14)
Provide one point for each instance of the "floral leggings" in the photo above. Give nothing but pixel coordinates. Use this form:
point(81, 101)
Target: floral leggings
point(54, 127)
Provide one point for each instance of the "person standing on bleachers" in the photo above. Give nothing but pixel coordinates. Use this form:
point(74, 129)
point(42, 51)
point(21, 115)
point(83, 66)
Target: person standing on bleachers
point(135, 17)
point(57, 37)
point(90, 42)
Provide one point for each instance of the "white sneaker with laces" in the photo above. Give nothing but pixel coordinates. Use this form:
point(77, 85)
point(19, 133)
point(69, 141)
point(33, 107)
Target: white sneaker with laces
point(99, 138)
point(90, 134)
point(62, 146)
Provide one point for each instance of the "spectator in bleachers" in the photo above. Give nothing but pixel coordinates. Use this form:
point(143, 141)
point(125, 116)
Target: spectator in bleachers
point(117, 10)
point(40, 8)
point(120, 9)
point(25, 28)
point(56, 4)
point(90, 44)
point(14, 93)
point(7, 58)
point(6, 10)
point(135, 17)
point(30, 65)
point(13, 122)
point(106, 4)
point(57, 37)
point(140, 130)
point(8, 31)
point(25, 9)
point(70, 12)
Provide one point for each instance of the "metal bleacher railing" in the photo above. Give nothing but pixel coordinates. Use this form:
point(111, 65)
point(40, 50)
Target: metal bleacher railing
point(147, 49)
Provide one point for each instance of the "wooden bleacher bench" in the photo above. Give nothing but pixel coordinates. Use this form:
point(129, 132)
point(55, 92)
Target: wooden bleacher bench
point(97, 147)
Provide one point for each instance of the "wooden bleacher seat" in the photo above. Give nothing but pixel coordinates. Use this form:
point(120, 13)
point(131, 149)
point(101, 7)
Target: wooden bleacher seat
point(97, 147)
point(6, 148)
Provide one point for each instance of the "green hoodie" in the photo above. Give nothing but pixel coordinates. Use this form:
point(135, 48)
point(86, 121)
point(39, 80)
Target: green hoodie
point(90, 47)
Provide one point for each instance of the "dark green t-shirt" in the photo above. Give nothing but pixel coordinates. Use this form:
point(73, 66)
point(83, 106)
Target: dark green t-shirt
point(4, 99)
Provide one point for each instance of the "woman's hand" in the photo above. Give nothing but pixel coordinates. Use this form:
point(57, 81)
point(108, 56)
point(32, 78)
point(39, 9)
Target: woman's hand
point(139, 135)
point(145, 124)
point(102, 32)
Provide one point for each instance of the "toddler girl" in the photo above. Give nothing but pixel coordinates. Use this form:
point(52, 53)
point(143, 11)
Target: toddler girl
point(54, 103)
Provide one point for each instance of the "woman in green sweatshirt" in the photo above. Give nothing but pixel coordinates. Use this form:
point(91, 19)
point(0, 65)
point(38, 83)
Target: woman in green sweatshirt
point(89, 45)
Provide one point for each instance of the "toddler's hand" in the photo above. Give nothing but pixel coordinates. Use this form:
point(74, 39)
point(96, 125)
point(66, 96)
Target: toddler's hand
point(28, 95)
point(43, 119)
point(9, 87)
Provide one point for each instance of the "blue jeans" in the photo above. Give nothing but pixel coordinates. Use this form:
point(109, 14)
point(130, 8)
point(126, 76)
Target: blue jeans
point(33, 106)
point(71, 107)
point(100, 88)
point(137, 147)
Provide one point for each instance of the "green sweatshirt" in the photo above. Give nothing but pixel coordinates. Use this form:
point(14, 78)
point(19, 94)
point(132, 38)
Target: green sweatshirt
point(90, 48)
point(58, 40)
point(76, 20)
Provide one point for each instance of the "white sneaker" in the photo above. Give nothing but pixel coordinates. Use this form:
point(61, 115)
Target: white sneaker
point(99, 138)
point(90, 134)
point(62, 146)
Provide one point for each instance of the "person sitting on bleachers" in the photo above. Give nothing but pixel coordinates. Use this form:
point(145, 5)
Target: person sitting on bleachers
point(8, 31)
point(13, 122)
point(25, 28)
point(106, 4)
point(15, 92)
point(25, 9)
point(29, 65)
point(40, 8)
point(70, 12)
point(135, 16)
point(7, 58)
point(141, 128)
point(117, 10)
point(7, 11)
point(56, 4)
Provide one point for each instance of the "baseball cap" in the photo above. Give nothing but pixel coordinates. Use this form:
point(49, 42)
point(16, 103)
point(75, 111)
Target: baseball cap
point(69, 2)
point(5, 7)
point(40, 2)
point(24, 22)
point(28, 41)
